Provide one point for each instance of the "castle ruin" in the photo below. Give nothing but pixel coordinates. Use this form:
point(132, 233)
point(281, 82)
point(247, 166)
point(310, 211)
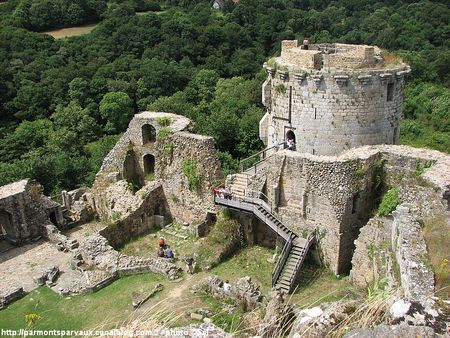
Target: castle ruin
point(332, 97)
point(342, 106)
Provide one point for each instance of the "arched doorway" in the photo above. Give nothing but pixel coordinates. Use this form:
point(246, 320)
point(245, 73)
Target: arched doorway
point(148, 134)
point(290, 140)
point(6, 226)
point(149, 165)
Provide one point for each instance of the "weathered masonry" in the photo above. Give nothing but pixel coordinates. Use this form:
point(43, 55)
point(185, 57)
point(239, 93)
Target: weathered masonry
point(332, 97)
point(24, 211)
point(143, 181)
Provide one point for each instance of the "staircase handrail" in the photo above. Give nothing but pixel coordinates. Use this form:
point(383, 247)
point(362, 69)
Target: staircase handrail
point(263, 152)
point(299, 262)
point(282, 260)
point(265, 203)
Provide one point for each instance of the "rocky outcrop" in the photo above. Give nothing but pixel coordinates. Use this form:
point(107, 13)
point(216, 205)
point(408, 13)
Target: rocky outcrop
point(393, 331)
point(244, 291)
point(278, 317)
point(318, 321)
point(11, 295)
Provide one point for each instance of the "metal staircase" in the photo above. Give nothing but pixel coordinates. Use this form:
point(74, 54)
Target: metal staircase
point(295, 248)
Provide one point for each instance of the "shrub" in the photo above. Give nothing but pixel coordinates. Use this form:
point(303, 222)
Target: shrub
point(191, 173)
point(163, 134)
point(168, 149)
point(164, 121)
point(389, 202)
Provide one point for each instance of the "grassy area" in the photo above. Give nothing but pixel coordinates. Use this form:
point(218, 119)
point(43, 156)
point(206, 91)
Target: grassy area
point(437, 236)
point(146, 245)
point(221, 242)
point(231, 322)
point(318, 285)
point(102, 309)
point(251, 261)
point(111, 306)
point(71, 31)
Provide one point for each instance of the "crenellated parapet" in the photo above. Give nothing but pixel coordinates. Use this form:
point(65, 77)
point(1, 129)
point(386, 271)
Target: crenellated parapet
point(332, 97)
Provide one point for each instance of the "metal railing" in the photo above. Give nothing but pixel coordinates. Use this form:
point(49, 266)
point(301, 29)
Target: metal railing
point(299, 262)
point(262, 155)
point(251, 204)
point(282, 260)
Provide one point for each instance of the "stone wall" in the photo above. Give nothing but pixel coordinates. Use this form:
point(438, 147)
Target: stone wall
point(146, 154)
point(331, 196)
point(24, 210)
point(102, 263)
point(336, 195)
point(189, 204)
point(135, 214)
point(417, 279)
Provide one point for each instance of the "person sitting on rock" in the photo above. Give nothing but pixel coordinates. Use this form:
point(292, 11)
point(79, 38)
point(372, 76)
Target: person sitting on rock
point(162, 242)
point(168, 252)
point(160, 252)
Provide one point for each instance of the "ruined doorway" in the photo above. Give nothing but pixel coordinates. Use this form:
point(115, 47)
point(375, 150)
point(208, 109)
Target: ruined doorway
point(6, 225)
point(149, 164)
point(290, 140)
point(148, 134)
point(53, 218)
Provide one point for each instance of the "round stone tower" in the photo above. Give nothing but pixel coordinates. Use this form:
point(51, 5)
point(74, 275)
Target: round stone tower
point(332, 97)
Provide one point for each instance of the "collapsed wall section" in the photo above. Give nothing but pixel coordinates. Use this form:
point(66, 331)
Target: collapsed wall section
point(157, 147)
point(187, 173)
point(392, 249)
point(24, 210)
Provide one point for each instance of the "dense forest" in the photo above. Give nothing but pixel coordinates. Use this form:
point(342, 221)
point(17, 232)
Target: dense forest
point(64, 103)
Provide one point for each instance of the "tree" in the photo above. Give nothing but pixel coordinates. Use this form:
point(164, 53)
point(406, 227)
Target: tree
point(77, 120)
point(116, 109)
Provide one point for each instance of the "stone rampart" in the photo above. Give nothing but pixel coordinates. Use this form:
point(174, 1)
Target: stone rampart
point(417, 279)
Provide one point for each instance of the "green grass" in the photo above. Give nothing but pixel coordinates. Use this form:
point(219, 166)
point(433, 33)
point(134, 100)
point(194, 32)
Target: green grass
point(230, 322)
point(251, 261)
point(102, 309)
point(318, 285)
point(389, 202)
point(437, 236)
point(146, 245)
